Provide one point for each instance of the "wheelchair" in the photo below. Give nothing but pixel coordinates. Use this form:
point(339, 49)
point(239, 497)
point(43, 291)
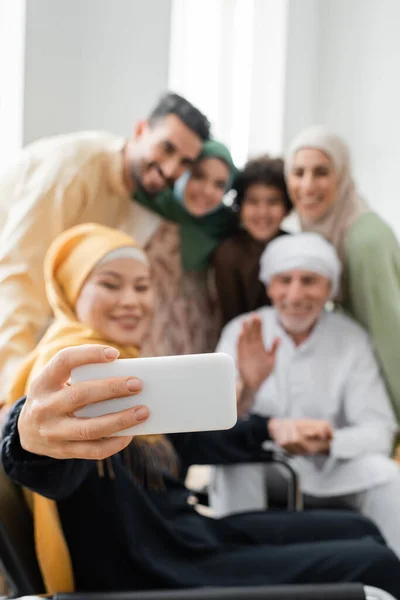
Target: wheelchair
point(18, 559)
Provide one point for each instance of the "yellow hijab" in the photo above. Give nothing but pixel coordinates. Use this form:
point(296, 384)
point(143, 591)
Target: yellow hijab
point(69, 261)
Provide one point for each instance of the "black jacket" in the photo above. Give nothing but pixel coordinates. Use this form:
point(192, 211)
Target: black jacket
point(123, 536)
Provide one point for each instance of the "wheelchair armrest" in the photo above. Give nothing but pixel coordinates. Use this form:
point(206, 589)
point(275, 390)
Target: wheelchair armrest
point(351, 591)
point(272, 456)
point(275, 456)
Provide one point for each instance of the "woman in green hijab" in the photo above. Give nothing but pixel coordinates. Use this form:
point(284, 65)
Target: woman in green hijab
point(195, 221)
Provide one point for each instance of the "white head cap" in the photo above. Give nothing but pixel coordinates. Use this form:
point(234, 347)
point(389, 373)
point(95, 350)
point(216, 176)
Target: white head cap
point(305, 251)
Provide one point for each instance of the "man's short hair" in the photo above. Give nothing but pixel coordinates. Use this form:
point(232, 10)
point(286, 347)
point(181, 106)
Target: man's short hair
point(173, 104)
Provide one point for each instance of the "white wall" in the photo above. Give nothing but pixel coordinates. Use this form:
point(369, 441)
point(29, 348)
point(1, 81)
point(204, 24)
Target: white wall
point(301, 67)
point(359, 92)
point(93, 64)
point(12, 51)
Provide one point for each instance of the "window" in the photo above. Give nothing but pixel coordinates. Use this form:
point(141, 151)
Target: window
point(211, 64)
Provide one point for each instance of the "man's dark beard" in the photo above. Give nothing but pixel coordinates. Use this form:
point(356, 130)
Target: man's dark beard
point(137, 177)
point(141, 187)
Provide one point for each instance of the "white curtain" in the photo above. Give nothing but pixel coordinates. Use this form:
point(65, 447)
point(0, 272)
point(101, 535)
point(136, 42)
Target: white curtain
point(229, 58)
point(211, 64)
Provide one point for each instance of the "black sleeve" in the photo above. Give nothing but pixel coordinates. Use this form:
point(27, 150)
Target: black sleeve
point(50, 477)
point(240, 444)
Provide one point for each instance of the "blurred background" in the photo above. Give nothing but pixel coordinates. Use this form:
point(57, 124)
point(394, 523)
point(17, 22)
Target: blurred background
point(260, 69)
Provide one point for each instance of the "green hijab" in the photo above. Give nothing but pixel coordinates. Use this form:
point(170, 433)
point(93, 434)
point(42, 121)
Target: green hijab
point(199, 236)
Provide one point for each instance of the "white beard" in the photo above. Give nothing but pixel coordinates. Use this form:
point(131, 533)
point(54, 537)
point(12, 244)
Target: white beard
point(298, 325)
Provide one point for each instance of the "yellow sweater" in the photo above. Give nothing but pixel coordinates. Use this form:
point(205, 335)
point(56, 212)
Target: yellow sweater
point(56, 183)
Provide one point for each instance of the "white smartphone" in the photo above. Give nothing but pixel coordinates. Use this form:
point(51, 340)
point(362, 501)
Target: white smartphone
point(195, 392)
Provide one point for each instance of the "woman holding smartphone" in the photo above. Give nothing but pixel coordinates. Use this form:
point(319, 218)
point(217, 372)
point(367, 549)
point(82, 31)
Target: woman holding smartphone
point(110, 513)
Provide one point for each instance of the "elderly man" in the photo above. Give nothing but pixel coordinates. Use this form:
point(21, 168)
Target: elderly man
point(321, 386)
point(59, 182)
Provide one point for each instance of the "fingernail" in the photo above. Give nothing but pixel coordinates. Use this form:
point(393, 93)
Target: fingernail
point(133, 384)
point(111, 353)
point(141, 413)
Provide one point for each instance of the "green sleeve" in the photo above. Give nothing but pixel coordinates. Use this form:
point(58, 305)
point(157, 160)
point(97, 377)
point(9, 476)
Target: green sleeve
point(373, 280)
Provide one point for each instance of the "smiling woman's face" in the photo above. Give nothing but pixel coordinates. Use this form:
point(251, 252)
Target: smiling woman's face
point(312, 183)
point(206, 186)
point(116, 300)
